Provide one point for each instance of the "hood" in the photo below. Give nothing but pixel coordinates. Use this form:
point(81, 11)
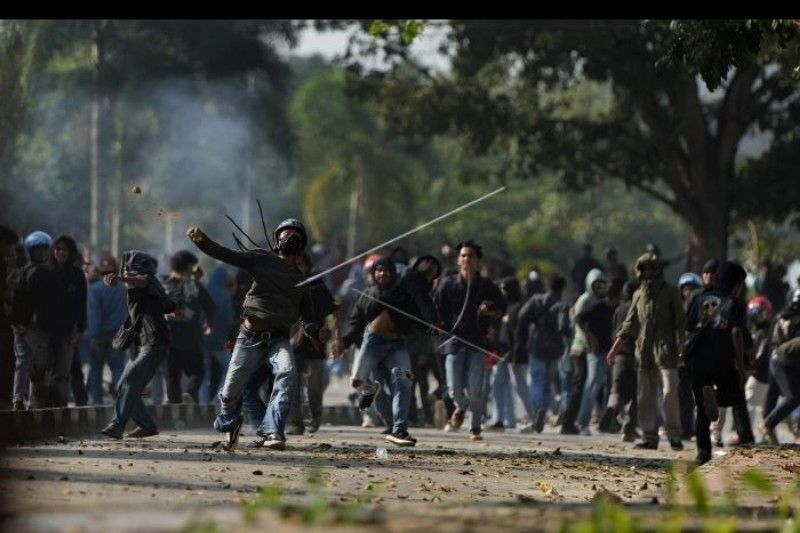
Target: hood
point(653, 260)
point(593, 275)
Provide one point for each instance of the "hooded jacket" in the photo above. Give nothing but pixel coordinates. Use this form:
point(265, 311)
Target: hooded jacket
point(654, 319)
point(580, 343)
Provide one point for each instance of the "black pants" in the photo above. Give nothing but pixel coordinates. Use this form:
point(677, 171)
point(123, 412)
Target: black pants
point(729, 393)
point(579, 371)
point(7, 363)
point(179, 362)
point(686, 400)
point(76, 380)
point(623, 389)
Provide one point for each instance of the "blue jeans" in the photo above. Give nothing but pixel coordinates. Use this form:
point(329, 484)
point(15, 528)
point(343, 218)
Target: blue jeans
point(251, 350)
point(387, 360)
point(501, 393)
point(788, 380)
point(465, 368)
point(137, 374)
point(596, 377)
point(542, 376)
point(100, 354)
point(22, 368)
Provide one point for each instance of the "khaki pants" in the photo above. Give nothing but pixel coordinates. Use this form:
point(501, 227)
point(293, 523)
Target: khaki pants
point(651, 384)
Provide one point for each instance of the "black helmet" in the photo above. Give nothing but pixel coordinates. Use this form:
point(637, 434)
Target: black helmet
point(292, 223)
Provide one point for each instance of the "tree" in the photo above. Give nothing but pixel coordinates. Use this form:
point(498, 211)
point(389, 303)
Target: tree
point(513, 91)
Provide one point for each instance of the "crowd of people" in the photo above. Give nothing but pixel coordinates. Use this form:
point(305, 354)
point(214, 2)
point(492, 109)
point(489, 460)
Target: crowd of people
point(629, 353)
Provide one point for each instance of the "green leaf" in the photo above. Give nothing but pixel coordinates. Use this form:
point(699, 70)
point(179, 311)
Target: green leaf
point(758, 480)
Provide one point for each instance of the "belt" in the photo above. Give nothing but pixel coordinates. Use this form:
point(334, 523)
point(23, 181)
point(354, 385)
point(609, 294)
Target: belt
point(275, 333)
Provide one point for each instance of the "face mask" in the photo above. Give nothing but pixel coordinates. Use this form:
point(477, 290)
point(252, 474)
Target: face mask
point(292, 244)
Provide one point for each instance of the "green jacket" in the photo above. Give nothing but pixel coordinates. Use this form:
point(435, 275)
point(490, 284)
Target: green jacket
point(654, 320)
point(579, 342)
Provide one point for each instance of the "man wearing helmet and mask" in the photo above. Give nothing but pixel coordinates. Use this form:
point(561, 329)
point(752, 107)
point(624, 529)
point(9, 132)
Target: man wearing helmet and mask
point(272, 305)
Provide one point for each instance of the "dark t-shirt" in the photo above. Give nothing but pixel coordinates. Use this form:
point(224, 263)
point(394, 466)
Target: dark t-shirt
point(192, 300)
point(598, 320)
point(717, 314)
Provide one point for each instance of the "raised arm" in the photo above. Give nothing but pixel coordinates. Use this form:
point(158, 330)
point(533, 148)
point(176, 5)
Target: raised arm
point(217, 251)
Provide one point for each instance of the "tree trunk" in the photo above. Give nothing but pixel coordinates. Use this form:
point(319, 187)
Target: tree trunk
point(99, 140)
point(708, 232)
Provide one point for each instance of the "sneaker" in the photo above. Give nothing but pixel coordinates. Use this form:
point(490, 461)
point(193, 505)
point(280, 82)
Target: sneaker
point(538, 420)
point(232, 436)
point(710, 403)
point(736, 442)
point(449, 429)
point(365, 399)
point(703, 456)
point(676, 444)
point(458, 418)
point(475, 434)
point(366, 421)
point(585, 432)
point(401, 438)
point(718, 442)
point(257, 443)
point(497, 426)
point(769, 434)
point(19, 405)
point(646, 445)
point(527, 428)
point(112, 431)
point(140, 433)
point(275, 442)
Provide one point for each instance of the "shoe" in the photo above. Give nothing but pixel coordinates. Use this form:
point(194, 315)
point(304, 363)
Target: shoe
point(710, 403)
point(718, 442)
point(365, 399)
point(19, 405)
point(295, 430)
point(313, 427)
point(630, 436)
point(676, 444)
point(401, 438)
point(527, 428)
point(539, 419)
point(585, 432)
point(387, 431)
point(449, 429)
point(458, 418)
point(140, 433)
point(367, 422)
point(257, 443)
point(769, 434)
point(112, 431)
point(232, 436)
point(187, 399)
point(736, 442)
point(703, 456)
point(608, 422)
point(569, 430)
point(646, 445)
point(475, 434)
point(497, 426)
point(275, 442)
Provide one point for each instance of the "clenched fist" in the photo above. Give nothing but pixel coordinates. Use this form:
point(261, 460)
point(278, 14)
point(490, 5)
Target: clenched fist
point(195, 234)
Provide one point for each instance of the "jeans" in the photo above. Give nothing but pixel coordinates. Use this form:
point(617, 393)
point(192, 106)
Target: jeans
point(596, 377)
point(542, 375)
point(387, 358)
point(504, 411)
point(137, 374)
point(788, 380)
point(101, 354)
point(22, 368)
point(252, 348)
point(312, 380)
point(51, 360)
point(465, 368)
